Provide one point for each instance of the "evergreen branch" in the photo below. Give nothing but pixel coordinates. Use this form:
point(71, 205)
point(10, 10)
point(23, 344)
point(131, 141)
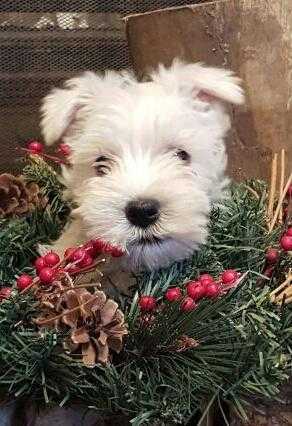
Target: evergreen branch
point(19, 237)
point(244, 344)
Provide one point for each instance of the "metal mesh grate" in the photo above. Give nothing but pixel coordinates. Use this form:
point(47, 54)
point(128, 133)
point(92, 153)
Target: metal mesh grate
point(42, 43)
point(39, 49)
point(98, 6)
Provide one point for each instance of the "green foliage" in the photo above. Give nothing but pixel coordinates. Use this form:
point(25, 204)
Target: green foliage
point(244, 342)
point(238, 231)
point(19, 237)
point(245, 347)
point(240, 352)
point(38, 171)
point(238, 239)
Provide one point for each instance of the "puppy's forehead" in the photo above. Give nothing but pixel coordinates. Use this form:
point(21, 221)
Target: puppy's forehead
point(143, 115)
point(149, 118)
point(153, 98)
point(150, 89)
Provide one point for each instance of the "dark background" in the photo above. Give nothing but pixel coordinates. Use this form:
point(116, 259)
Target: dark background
point(42, 43)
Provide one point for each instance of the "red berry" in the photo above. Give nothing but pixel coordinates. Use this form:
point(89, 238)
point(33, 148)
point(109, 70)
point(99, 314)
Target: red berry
point(147, 303)
point(5, 293)
point(64, 149)
point(289, 191)
point(188, 304)
point(78, 254)
point(206, 276)
point(47, 275)
point(98, 245)
point(268, 272)
point(289, 232)
point(107, 248)
point(173, 294)
point(196, 290)
point(24, 281)
point(51, 259)
point(35, 147)
point(286, 243)
point(117, 252)
point(68, 254)
point(89, 248)
point(85, 261)
point(206, 279)
point(229, 276)
point(39, 263)
point(212, 290)
point(272, 255)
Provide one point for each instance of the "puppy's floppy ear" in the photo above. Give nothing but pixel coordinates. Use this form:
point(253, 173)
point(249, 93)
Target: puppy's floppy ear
point(202, 82)
point(61, 107)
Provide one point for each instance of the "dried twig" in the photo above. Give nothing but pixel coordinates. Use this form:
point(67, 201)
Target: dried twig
point(252, 191)
point(283, 293)
point(282, 181)
point(272, 187)
point(280, 203)
point(47, 156)
point(83, 270)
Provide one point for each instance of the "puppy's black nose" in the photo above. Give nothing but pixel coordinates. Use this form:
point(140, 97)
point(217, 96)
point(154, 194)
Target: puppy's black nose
point(143, 212)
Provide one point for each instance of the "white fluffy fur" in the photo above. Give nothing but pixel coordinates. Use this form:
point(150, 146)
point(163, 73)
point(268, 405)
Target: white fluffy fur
point(140, 127)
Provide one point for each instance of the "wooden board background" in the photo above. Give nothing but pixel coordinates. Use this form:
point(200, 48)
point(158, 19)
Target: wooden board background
point(252, 37)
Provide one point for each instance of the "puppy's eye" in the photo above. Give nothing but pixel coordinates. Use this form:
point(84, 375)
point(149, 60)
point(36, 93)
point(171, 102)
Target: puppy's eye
point(183, 155)
point(102, 165)
point(102, 170)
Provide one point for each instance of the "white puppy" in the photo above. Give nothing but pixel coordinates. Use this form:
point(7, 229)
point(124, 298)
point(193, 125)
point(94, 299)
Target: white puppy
point(148, 159)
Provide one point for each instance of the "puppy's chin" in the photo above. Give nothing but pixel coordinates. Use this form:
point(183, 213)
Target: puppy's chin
point(157, 253)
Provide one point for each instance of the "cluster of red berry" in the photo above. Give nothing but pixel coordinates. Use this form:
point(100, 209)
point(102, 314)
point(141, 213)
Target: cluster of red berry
point(76, 260)
point(273, 254)
point(204, 287)
point(37, 148)
point(286, 240)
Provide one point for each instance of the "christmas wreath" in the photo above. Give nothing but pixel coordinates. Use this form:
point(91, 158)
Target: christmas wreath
point(216, 327)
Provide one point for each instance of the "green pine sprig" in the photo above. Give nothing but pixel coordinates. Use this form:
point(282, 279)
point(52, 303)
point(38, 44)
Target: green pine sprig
point(19, 237)
point(244, 341)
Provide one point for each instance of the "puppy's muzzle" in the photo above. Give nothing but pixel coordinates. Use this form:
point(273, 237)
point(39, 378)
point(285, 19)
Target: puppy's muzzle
point(143, 213)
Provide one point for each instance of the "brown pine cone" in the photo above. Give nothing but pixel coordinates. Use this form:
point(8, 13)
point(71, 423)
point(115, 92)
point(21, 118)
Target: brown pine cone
point(97, 326)
point(17, 197)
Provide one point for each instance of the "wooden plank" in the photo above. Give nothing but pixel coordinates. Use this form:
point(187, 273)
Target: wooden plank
point(251, 37)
